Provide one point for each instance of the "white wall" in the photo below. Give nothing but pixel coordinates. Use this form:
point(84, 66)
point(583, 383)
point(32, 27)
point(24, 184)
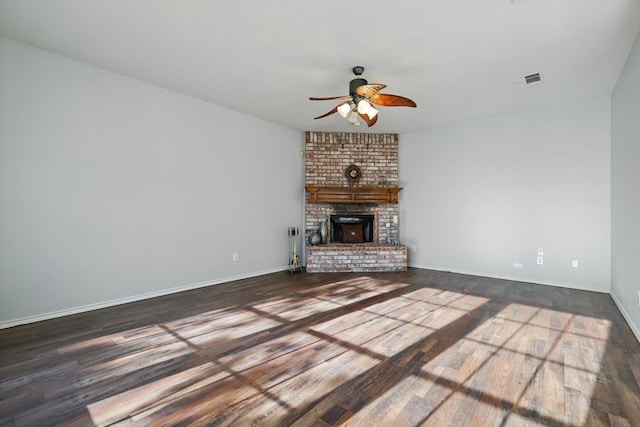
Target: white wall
point(112, 189)
point(625, 190)
point(483, 195)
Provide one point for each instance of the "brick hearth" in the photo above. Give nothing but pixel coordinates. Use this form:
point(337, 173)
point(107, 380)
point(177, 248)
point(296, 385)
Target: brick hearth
point(337, 258)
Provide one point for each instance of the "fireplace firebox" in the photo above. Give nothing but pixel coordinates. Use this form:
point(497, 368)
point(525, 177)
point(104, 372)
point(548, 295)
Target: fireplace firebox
point(347, 228)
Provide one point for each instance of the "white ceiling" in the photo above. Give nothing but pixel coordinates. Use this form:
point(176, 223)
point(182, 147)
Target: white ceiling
point(458, 60)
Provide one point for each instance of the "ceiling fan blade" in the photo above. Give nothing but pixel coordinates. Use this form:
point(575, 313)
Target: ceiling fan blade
point(368, 121)
point(392, 100)
point(369, 90)
point(330, 98)
point(333, 111)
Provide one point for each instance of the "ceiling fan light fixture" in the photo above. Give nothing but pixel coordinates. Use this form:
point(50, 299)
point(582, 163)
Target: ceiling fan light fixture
point(363, 106)
point(344, 110)
point(352, 117)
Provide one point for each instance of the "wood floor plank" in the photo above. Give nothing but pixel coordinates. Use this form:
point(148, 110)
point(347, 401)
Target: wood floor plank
point(396, 349)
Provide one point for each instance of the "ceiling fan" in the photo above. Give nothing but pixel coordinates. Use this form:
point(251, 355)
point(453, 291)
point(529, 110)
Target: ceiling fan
point(362, 96)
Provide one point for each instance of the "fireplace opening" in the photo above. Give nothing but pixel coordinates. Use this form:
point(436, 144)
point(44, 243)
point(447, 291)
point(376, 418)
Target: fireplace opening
point(352, 228)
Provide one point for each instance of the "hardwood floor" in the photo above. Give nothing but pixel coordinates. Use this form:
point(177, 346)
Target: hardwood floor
point(389, 349)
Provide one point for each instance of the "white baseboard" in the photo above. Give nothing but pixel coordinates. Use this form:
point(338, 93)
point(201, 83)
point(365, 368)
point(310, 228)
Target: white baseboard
point(66, 312)
point(626, 316)
point(516, 279)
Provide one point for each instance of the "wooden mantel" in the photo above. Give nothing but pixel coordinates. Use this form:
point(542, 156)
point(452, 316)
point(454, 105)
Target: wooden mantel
point(363, 194)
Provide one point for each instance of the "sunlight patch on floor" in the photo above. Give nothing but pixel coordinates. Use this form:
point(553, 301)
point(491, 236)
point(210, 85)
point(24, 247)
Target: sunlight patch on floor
point(505, 349)
point(155, 395)
point(535, 360)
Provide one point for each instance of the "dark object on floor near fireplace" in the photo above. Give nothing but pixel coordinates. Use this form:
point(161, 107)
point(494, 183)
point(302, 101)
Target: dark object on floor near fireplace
point(349, 228)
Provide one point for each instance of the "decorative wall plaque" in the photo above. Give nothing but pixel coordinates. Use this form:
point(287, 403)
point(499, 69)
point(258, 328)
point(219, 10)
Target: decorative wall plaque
point(353, 173)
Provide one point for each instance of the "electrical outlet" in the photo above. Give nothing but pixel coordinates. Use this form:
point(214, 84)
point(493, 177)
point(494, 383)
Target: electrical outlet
point(574, 263)
point(539, 260)
point(413, 248)
point(517, 265)
point(235, 256)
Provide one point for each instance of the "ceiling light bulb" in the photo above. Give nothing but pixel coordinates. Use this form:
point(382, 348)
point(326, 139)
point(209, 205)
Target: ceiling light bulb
point(372, 112)
point(352, 117)
point(363, 107)
point(344, 109)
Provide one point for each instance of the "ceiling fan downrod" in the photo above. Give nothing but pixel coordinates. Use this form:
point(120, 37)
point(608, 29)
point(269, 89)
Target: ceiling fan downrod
point(358, 81)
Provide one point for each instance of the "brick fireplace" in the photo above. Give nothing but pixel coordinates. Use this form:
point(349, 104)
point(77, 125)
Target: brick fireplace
point(373, 193)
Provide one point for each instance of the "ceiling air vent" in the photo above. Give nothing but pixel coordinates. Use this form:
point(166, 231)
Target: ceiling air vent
point(533, 78)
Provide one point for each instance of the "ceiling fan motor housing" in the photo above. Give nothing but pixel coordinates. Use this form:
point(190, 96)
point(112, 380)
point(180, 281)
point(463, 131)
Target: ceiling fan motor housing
point(355, 84)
